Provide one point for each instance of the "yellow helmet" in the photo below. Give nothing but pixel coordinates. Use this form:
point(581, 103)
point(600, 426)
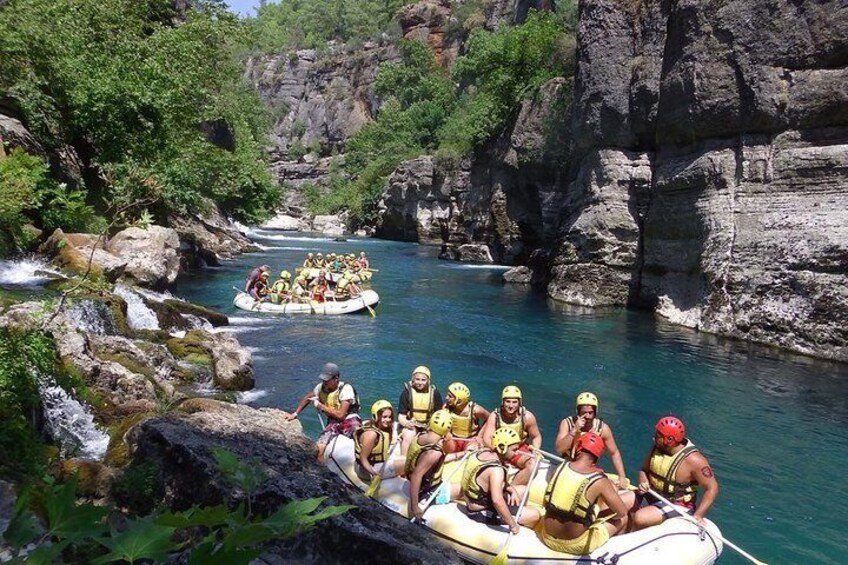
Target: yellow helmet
point(421, 369)
point(263, 275)
point(460, 392)
point(440, 422)
point(378, 407)
point(310, 255)
point(320, 255)
point(285, 275)
point(503, 439)
point(511, 391)
point(587, 399)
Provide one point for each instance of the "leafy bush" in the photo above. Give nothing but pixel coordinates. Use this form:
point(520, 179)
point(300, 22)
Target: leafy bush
point(21, 448)
point(213, 533)
point(136, 88)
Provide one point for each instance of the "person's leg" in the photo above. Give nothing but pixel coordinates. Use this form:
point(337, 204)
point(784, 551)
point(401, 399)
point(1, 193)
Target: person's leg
point(406, 437)
point(646, 517)
point(530, 517)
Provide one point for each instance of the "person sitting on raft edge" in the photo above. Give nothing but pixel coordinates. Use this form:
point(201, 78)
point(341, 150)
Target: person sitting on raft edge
point(424, 462)
point(582, 507)
point(338, 400)
point(512, 414)
point(254, 276)
point(372, 443)
point(465, 418)
point(419, 399)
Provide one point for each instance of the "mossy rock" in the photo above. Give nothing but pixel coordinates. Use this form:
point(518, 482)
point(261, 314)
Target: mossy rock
point(128, 363)
point(117, 454)
point(192, 348)
point(214, 318)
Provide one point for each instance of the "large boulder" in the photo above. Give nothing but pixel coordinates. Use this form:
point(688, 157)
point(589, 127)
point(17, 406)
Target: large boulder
point(329, 225)
point(180, 445)
point(151, 255)
point(207, 237)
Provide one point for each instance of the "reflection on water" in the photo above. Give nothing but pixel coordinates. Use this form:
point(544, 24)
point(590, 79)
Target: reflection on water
point(773, 424)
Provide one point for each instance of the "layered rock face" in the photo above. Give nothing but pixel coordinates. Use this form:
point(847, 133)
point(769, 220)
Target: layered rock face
point(181, 447)
point(710, 168)
point(505, 198)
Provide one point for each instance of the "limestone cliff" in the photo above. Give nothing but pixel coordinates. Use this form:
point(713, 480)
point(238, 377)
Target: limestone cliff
point(709, 169)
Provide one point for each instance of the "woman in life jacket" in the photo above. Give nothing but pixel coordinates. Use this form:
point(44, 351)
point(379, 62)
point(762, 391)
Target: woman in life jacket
point(372, 444)
point(319, 287)
point(419, 399)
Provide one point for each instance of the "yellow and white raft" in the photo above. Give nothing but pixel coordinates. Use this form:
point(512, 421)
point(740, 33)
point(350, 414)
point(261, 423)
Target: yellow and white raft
point(674, 541)
point(330, 307)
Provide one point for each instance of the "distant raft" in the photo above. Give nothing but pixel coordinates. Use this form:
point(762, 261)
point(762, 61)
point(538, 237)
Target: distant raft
point(674, 541)
point(330, 307)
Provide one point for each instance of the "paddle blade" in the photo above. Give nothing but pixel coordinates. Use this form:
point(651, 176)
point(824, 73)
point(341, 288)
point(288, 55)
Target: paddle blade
point(372, 489)
point(500, 558)
point(371, 311)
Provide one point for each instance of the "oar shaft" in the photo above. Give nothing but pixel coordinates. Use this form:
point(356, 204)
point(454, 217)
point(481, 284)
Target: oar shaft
point(445, 481)
point(689, 518)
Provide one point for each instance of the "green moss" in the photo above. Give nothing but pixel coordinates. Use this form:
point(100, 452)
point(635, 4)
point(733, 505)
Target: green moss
point(70, 377)
point(117, 454)
point(215, 318)
point(128, 363)
point(191, 349)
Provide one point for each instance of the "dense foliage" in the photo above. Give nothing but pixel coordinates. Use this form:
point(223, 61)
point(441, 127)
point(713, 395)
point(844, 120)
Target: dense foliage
point(22, 355)
point(83, 532)
point(295, 24)
point(429, 110)
point(133, 86)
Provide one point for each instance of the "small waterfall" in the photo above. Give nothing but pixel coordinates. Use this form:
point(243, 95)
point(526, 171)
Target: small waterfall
point(196, 322)
point(91, 317)
point(27, 272)
point(70, 423)
point(139, 316)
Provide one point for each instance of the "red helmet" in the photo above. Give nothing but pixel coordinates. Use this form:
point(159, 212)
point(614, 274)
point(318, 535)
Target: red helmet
point(672, 430)
point(591, 442)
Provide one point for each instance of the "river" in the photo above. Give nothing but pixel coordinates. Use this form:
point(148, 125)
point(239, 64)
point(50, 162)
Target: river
point(774, 425)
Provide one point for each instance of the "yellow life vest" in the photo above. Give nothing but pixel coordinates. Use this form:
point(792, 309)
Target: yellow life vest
point(470, 488)
point(662, 470)
point(421, 404)
point(280, 286)
point(517, 426)
point(309, 264)
point(331, 399)
point(380, 453)
point(597, 424)
point(464, 426)
point(565, 497)
point(433, 477)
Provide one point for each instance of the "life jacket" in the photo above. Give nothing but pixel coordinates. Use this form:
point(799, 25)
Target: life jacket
point(281, 286)
point(421, 404)
point(433, 477)
point(472, 491)
point(380, 453)
point(565, 497)
point(309, 264)
point(662, 469)
point(260, 287)
point(517, 426)
point(331, 399)
point(597, 424)
point(464, 426)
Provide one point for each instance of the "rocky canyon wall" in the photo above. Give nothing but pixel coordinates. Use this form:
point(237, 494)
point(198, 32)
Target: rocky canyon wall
point(709, 176)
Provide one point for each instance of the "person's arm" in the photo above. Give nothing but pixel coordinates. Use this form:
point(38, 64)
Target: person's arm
point(339, 413)
point(369, 440)
point(615, 456)
point(644, 484)
point(703, 474)
point(610, 495)
point(496, 492)
point(403, 410)
point(307, 398)
point(425, 462)
point(488, 430)
point(531, 426)
point(564, 438)
point(480, 413)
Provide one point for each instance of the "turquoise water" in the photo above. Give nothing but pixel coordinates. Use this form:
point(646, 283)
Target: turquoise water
point(774, 426)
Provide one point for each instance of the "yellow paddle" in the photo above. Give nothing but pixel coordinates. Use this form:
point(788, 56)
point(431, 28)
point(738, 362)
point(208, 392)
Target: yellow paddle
point(689, 518)
point(500, 558)
point(370, 310)
point(375, 482)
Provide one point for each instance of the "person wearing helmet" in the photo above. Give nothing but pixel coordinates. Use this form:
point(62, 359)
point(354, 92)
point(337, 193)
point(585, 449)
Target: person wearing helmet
point(319, 261)
point(465, 418)
point(363, 261)
point(319, 287)
point(300, 287)
point(674, 468)
point(261, 288)
point(347, 287)
point(419, 399)
point(337, 400)
point(512, 414)
point(281, 289)
point(424, 462)
point(582, 507)
point(309, 262)
point(586, 420)
point(484, 480)
point(254, 276)
point(371, 444)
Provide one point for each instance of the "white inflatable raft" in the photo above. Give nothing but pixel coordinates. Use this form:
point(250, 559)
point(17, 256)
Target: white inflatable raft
point(674, 541)
point(330, 307)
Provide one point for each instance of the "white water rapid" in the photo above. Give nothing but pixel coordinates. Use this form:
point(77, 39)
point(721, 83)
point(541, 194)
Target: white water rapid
point(139, 316)
point(28, 271)
point(70, 423)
